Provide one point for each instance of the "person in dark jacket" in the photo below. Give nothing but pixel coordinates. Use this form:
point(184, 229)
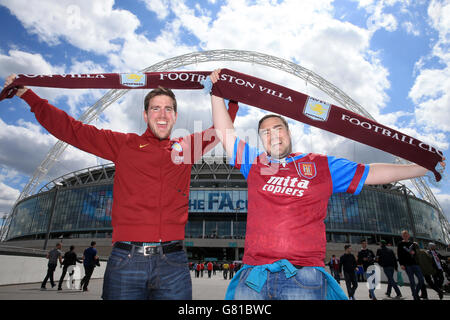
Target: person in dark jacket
point(347, 263)
point(425, 262)
point(406, 258)
point(366, 258)
point(70, 259)
point(386, 259)
point(437, 257)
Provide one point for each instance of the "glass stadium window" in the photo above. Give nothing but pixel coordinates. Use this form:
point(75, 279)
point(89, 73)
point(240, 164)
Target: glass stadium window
point(194, 229)
point(224, 229)
point(23, 216)
point(341, 238)
point(42, 213)
point(211, 229)
point(239, 229)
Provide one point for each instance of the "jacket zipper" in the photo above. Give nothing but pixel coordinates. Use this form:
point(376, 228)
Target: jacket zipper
point(160, 191)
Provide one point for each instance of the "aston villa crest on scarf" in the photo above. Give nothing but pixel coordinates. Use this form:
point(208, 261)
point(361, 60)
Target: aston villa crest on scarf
point(133, 79)
point(307, 169)
point(316, 109)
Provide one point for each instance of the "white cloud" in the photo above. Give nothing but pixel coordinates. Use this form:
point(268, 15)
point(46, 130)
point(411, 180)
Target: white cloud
point(160, 7)
point(411, 28)
point(8, 196)
point(89, 25)
point(432, 96)
point(431, 89)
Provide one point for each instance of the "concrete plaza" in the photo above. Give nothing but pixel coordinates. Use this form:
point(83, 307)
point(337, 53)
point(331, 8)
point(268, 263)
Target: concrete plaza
point(205, 288)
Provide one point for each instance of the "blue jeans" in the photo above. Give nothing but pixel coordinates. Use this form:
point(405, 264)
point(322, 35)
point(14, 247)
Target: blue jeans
point(307, 284)
point(133, 276)
point(411, 271)
point(389, 272)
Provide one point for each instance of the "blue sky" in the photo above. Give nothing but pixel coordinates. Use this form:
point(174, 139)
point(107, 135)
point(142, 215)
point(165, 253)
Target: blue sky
point(390, 56)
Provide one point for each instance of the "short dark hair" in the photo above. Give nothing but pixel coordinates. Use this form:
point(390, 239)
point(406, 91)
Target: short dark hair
point(93, 243)
point(267, 116)
point(347, 246)
point(160, 91)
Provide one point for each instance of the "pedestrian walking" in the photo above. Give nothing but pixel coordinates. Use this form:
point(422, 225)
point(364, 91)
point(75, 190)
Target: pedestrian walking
point(197, 270)
point(406, 258)
point(366, 258)
point(226, 266)
point(90, 260)
point(232, 266)
point(349, 266)
point(53, 256)
point(437, 257)
point(425, 262)
point(387, 260)
point(209, 266)
point(334, 268)
point(202, 268)
point(70, 259)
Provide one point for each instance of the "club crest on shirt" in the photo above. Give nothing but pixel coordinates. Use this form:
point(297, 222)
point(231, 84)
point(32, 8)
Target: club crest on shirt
point(307, 169)
point(177, 147)
point(177, 153)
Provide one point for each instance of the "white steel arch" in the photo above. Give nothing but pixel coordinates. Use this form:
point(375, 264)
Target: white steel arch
point(221, 55)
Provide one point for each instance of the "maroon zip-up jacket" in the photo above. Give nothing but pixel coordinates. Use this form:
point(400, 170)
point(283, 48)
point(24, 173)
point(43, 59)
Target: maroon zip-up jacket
point(152, 178)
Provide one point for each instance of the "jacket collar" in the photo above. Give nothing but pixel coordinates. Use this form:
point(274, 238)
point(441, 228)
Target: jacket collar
point(150, 136)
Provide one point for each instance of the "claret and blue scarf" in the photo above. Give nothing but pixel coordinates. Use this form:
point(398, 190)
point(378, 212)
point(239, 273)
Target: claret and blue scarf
point(260, 93)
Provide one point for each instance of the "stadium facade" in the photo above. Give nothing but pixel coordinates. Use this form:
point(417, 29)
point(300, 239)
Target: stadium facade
point(78, 206)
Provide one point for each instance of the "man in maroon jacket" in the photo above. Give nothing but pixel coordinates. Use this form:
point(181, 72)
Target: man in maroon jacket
point(151, 193)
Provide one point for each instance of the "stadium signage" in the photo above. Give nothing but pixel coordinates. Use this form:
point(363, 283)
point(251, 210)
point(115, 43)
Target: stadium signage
point(217, 202)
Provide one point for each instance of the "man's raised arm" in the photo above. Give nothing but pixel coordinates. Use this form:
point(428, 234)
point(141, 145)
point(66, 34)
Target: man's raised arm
point(382, 173)
point(221, 119)
point(102, 143)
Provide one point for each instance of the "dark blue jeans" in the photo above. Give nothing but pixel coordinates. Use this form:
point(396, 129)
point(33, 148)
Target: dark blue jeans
point(50, 271)
point(389, 272)
point(411, 271)
point(133, 276)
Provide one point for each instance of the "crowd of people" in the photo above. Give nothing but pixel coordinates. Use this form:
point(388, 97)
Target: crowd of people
point(228, 269)
point(422, 267)
point(90, 260)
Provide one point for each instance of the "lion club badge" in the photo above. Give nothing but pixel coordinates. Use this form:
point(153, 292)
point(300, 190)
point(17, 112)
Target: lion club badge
point(307, 169)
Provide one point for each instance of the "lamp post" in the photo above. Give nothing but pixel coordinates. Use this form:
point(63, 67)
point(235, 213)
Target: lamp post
point(236, 221)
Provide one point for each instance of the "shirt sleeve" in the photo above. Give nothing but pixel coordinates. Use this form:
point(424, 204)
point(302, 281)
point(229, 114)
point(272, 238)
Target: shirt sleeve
point(100, 142)
point(244, 156)
point(347, 176)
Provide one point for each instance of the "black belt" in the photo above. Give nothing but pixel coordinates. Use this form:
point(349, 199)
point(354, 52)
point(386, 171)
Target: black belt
point(149, 250)
point(298, 267)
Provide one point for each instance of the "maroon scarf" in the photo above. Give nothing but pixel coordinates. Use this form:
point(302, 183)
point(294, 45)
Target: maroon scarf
point(259, 93)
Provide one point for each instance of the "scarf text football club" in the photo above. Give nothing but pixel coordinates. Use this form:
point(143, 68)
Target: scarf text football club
point(256, 92)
